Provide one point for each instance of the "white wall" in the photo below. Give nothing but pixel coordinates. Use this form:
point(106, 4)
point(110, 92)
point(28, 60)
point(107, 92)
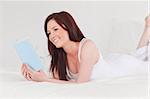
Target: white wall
point(114, 26)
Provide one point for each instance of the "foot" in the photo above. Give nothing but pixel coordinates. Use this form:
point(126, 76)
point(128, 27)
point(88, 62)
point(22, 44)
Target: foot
point(147, 27)
point(147, 21)
point(146, 34)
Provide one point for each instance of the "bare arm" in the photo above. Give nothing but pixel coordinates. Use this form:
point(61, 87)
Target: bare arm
point(86, 66)
point(86, 63)
point(89, 56)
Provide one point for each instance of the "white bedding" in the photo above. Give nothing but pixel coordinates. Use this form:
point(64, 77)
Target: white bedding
point(13, 85)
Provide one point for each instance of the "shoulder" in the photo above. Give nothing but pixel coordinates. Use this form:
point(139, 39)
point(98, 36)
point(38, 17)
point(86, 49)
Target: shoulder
point(89, 45)
point(89, 51)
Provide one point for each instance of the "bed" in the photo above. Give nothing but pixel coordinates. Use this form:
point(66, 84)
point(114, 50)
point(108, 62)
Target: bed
point(13, 85)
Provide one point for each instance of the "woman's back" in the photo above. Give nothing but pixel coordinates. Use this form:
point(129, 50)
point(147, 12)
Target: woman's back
point(122, 65)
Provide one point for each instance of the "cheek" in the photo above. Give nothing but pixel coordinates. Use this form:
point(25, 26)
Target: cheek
point(65, 35)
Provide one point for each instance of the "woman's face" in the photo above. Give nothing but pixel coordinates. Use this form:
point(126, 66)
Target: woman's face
point(57, 35)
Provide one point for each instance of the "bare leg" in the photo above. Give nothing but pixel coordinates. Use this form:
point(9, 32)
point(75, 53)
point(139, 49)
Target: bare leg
point(146, 34)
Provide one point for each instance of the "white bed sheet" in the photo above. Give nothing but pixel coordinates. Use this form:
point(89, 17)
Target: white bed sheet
point(13, 85)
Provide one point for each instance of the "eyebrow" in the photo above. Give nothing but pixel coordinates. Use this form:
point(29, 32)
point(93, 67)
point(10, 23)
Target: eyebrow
point(52, 28)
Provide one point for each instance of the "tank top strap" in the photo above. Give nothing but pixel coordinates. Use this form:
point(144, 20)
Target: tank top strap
point(80, 46)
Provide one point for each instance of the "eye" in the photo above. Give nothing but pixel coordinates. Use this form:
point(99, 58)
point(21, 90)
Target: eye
point(55, 29)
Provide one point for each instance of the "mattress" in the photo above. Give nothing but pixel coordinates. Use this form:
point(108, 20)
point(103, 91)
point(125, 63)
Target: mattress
point(14, 85)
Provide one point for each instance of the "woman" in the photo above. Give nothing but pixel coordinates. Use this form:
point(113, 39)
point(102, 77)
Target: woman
point(76, 59)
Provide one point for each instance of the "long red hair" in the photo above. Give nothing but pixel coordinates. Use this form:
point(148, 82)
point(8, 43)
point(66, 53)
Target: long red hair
point(59, 62)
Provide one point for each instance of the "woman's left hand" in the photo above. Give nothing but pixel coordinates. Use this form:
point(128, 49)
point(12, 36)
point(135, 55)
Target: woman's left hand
point(38, 76)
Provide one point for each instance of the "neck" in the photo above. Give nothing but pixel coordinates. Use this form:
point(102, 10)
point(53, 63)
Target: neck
point(71, 48)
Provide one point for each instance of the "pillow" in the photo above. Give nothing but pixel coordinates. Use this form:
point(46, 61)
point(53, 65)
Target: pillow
point(125, 34)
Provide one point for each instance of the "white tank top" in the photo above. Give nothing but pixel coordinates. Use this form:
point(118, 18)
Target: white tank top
point(73, 75)
point(116, 66)
point(95, 73)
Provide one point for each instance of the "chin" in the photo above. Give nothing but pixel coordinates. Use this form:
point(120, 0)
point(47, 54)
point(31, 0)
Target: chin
point(58, 46)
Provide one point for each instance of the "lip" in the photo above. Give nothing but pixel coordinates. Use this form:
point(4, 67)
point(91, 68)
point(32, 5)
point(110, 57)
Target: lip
point(55, 40)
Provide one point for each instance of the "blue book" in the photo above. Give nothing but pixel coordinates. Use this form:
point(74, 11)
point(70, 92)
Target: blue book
point(28, 54)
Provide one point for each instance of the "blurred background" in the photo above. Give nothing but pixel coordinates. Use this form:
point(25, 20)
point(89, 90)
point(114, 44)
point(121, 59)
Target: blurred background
point(115, 26)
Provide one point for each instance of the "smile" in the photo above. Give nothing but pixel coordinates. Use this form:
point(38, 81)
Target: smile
point(55, 40)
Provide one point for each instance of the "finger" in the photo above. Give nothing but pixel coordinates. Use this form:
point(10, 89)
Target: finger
point(28, 77)
point(25, 72)
point(25, 75)
point(23, 69)
point(39, 71)
point(29, 70)
point(25, 66)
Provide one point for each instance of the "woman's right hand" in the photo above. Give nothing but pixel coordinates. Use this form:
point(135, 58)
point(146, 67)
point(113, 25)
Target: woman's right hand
point(38, 76)
point(25, 71)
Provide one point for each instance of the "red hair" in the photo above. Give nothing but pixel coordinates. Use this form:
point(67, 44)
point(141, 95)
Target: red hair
point(59, 62)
